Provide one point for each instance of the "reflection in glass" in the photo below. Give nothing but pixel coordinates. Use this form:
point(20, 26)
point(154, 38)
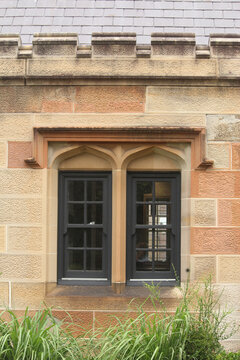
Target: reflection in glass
point(162, 215)
point(162, 191)
point(94, 237)
point(144, 214)
point(144, 190)
point(95, 191)
point(162, 261)
point(143, 260)
point(143, 238)
point(75, 213)
point(75, 190)
point(75, 259)
point(94, 214)
point(94, 259)
point(75, 237)
point(162, 239)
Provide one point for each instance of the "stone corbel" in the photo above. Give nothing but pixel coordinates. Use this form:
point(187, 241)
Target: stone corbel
point(138, 135)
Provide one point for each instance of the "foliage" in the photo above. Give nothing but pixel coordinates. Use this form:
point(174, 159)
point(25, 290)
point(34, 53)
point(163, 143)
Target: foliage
point(228, 356)
point(38, 337)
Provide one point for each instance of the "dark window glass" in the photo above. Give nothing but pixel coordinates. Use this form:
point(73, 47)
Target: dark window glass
point(94, 214)
point(94, 191)
point(94, 238)
point(76, 213)
point(75, 260)
point(94, 260)
point(75, 237)
point(75, 190)
point(144, 190)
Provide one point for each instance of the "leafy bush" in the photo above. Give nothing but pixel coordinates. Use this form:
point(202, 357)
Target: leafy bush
point(228, 356)
point(36, 338)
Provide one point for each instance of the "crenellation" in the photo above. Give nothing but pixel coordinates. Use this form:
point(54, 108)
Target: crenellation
point(9, 44)
point(173, 44)
point(64, 45)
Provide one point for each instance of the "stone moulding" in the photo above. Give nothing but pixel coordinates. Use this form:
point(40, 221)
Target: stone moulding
point(147, 135)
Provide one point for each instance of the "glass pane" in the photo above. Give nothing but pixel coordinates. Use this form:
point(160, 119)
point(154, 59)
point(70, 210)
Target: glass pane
point(162, 239)
point(76, 213)
point(75, 237)
point(94, 214)
point(75, 190)
point(94, 259)
point(162, 261)
point(144, 238)
point(95, 191)
point(162, 215)
point(162, 191)
point(144, 190)
point(144, 214)
point(143, 260)
point(94, 237)
point(75, 259)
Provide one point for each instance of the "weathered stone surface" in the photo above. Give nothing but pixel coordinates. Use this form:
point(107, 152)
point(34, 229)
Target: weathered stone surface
point(203, 212)
point(25, 238)
point(15, 181)
point(236, 156)
point(3, 154)
point(203, 266)
point(216, 184)
point(130, 68)
point(4, 295)
point(2, 239)
point(229, 213)
point(223, 127)
point(230, 295)
point(64, 45)
point(193, 99)
point(21, 266)
point(12, 67)
point(23, 210)
point(29, 295)
point(229, 269)
point(220, 154)
point(215, 241)
point(110, 99)
point(18, 151)
point(118, 120)
point(16, 127)
point(229, 67)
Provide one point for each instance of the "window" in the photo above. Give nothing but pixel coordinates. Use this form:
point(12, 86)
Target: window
point(153, 227)
point(84, 229)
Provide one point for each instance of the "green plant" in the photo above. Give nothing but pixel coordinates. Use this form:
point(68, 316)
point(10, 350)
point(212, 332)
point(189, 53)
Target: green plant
point(38, 337)
point(228, 356)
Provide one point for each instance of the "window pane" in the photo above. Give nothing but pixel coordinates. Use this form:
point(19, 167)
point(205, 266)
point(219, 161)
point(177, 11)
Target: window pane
point(162, 215)
point(75, 259)
point(144, 238)
point(143, 260)
point(144, 190)
point(162, 260)
point(162, 239)
point(95, 191)
point(75, 190)
point(75, 237)
point(94, 260)
point(94, 237)
point(144, 214)
point(94, 214)
point(162, 191)
point(76, 213)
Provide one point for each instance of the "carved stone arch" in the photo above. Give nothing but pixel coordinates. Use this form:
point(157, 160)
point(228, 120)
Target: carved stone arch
point(164, 151)
point(71, 151)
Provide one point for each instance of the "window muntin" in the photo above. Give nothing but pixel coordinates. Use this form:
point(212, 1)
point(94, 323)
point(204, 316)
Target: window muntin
point(153, 226)
point(84, 227)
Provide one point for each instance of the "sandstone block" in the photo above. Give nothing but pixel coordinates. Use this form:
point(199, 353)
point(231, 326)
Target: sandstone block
point(12, 68)
point(18, 151)
point(220, 153)
point(203, 266)
point(15, 181)
point(203, 212)
point(29, 295)
point(223, 127)
point(192, 99)
point(4, 294)
point(229, 269)
point(21, 266)
point(215, 241)
point(55, 45)
point(23, 210)
point(236, 156)
point(216, 184)
point(230, 295)
point(26, 99)
point(173, 44)
point(229, 212)
point(24, 238)
point(110, 99)
point(113, 44)
point(229, 67)
point(3, 154)
point(16, 127)
point(2, 239)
